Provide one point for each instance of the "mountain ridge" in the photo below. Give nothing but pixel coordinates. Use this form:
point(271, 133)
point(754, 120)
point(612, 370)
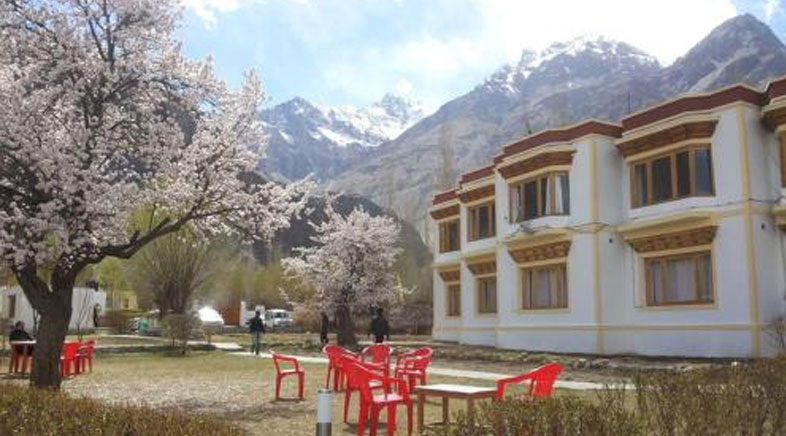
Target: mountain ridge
point(605, 80)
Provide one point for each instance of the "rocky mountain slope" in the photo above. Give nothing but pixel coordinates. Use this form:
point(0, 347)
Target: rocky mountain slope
point(587, 77)
point(306, 138)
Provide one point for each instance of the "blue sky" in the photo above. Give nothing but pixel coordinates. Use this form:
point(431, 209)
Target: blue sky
point(354, 51)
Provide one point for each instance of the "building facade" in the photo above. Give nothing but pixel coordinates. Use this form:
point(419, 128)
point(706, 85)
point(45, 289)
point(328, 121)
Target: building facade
point(662, 235)
point(14, 307)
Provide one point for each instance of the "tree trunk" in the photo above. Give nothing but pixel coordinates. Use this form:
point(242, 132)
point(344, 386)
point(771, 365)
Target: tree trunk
point(52, 332)
point(54, 308)
point(345, 329)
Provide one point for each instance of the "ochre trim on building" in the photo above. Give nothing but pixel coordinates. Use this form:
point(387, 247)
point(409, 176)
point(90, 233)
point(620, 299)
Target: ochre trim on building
point(673, 241)
point(477, 194)
point(780, 216)
point(444, 197)
point(445, 212)
point(668, 136)
point(477, 174)
point(567, 134)
point(775, 117)
point(538, 253)
point(700, 102)
point(480, 268)
point(544, 160)
point(450, 276)
point(776, 88)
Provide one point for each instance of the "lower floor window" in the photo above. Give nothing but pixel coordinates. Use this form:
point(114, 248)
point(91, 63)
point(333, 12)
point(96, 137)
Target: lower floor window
point(454, 300)
point(487, 295)
point(544, 287)
point(679, 279)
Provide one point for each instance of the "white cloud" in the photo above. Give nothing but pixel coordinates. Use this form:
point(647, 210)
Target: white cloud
point(772, 8)
point(207, 9)
point(404, 87)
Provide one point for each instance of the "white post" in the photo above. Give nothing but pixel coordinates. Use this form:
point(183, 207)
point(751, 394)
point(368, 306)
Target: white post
point(324, 412)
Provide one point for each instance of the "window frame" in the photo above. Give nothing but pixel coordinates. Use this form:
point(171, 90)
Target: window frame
point(12, 306)
point(672, 154)
point(480, 307)
point(560, 267)
point(443, 235)
point(473, 221)
point(783, 158)
point(450, 289)
point(516, 193)
point(663, 260)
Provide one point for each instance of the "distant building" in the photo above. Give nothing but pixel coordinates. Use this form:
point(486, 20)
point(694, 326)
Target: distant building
point(662, 235)
point(122, 300)
point(15, 307)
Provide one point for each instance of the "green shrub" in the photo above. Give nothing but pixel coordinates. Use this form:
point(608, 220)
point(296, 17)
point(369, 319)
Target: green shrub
point(119, 320)
point(26, 411)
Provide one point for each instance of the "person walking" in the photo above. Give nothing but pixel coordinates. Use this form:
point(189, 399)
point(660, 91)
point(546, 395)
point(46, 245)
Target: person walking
point(256, 326)
point(323, 333)
point(379, 327)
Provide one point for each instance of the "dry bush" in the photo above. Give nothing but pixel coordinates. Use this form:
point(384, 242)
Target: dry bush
point(26, 411)
point(180, 328)
point(560, 416)
point(740, 400)
point(743, 400)
point(119, 320)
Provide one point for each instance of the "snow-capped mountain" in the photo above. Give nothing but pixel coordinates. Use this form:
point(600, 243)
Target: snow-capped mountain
point(588, 77)
point(307, 138)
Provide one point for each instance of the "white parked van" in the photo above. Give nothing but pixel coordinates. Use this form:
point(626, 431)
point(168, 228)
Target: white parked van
point(278, 318)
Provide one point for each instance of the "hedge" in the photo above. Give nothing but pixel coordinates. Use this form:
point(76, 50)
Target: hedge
point(27, 411)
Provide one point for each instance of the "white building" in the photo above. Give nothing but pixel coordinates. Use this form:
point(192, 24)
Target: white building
point(15, 307)
point(662, 235)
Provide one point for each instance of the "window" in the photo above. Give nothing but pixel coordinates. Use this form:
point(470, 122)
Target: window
point(683, 173)
point(454, 300)
point(783, 160)
point(545, 195)
point(481, 221)
point(544, 287)
point(449, 236)
point(487, 295)
point(12, 306)
point(682, 279)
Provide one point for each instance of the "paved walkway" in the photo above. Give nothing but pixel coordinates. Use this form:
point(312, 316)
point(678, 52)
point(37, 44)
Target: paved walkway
point(447, 372)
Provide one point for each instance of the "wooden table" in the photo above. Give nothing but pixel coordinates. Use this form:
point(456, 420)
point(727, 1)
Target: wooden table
point(22, 349)
point(448, 391)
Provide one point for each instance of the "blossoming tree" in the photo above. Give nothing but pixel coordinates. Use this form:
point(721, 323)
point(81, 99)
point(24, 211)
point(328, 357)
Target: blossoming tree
point(350, 267)
point(102, 118)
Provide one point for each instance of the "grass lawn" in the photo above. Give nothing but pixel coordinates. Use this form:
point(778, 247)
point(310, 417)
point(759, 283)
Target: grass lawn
point(118, 340)
point(234, 388)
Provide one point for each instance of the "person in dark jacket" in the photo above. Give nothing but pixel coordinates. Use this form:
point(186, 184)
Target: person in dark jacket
point(19, 334)
point(256, 326)
point(323, 333)
point(379, 327)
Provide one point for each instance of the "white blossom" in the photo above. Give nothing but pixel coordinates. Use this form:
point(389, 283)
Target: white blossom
point(101, 116)
point(351, 264)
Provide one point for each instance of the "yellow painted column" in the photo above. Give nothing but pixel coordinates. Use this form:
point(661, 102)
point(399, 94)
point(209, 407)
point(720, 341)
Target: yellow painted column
point(750, 249)
point(596, 270)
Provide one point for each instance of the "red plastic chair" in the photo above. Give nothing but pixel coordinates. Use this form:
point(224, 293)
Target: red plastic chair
point(371, 405)
point(541, 381)
point(419, 352)
point(279, 360)
point(414, 369)
point(335, 356)
point(351, 386)
point(84, 357)
point(379, 356)
point(68, 362)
